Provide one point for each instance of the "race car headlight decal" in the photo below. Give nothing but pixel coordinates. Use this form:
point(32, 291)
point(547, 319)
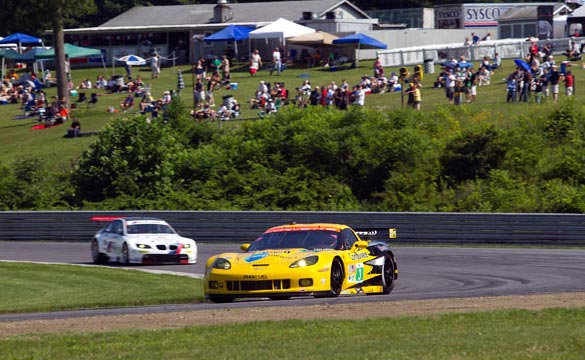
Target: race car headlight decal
point(308, 261)
point(221, 263)
point(186, 246)
point(143, 246)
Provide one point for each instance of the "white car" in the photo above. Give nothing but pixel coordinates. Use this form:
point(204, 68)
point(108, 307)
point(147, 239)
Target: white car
point(136, 240)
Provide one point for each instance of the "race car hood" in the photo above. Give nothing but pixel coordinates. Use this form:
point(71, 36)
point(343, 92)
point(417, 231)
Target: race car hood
point(157, 238)
point(270, 256)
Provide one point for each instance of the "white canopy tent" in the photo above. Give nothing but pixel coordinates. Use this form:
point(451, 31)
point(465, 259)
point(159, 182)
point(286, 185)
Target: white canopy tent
point(280, 29)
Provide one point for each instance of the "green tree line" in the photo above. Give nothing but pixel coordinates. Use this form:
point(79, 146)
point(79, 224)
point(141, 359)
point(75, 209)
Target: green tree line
point(318, 159)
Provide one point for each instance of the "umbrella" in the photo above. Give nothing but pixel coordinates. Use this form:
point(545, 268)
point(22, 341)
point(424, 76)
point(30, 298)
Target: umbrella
point(522, 65)
point(316, 39)
point(233, 33)
point(21, 39)
point(359, 41)
point(132, 60)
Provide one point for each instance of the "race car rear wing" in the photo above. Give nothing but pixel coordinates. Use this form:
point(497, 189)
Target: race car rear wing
point(383, 234)
point(106, 218)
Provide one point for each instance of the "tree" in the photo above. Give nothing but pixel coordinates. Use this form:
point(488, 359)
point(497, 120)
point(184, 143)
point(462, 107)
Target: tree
point(64, 11)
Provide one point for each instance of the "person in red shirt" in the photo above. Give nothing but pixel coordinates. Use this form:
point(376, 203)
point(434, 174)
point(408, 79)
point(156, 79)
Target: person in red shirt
point(569, 80)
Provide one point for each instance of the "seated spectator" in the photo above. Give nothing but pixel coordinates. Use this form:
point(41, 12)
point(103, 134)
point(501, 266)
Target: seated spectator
point(62, 115)
point(146, 102)
point(167, 98)
point(205, 113)
point(100, 82)
point(573, 52)
point(74, 129)
point(128, 102)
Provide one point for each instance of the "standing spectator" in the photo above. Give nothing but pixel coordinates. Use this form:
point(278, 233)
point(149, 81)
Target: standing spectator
point(155, 66)
point(276, 62)
point(255, 62)
point(544, 82)
point(554, 79)
point(199, 93)
point(360, 96)
point(315, 97)
point(414, 95)
point(487, 37)
point(378, 68)
point(200, 68)
point(209, 94)
point(450, 80)
point(225, 70)
point(474, 39)
point(569, 80)
point(511, 88)
point(526, 86)
point(538, 88)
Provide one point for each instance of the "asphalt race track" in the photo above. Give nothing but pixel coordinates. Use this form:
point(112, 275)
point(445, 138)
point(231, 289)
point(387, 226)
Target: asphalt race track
point(425, 273)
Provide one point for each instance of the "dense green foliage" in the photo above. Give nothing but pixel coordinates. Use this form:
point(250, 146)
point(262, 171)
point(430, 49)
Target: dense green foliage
point(320, 159)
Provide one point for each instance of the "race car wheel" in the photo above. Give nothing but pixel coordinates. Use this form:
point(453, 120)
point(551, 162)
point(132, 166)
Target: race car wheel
point(96, 255)
point(388, 274)
point(125, 255)
point(336, 277)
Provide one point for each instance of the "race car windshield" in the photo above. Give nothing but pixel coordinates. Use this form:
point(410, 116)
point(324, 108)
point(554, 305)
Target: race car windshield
point(150, 229)
point(305, 239)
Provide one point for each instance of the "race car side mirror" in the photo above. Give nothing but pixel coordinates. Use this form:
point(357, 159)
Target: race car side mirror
point(360, 244)
point(244, 247)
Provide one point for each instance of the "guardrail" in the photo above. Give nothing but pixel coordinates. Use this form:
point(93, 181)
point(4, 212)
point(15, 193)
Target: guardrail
point(243, 226)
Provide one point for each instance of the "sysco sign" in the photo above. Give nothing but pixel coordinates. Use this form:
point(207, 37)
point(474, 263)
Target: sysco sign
point(482, 14)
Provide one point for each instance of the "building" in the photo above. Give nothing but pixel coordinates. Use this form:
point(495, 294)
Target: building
point(170, 30)
point(542, 22)
point(480, 16)
point(419, 18)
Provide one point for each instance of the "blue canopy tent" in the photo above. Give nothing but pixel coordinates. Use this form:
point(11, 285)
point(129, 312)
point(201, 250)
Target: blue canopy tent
point(231, 32)
point(359, 42)
point(21, 39)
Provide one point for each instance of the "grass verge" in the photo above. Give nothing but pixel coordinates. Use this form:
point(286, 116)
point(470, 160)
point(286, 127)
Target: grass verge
point(513, 334)
point(36, 287)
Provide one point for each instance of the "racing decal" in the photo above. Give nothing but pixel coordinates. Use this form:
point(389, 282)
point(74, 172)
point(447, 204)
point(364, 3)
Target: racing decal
point(256, 257)
point(355, 273)
point(179, 248)
point(255, 277)
point(359, 256)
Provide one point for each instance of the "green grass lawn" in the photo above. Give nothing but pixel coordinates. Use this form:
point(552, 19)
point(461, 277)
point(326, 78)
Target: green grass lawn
point(550, 334)
point(36, 287)
point(17, 138)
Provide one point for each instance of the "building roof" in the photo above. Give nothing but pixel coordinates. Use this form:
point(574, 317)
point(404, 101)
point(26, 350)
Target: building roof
point(176, 15)
point(530, 12)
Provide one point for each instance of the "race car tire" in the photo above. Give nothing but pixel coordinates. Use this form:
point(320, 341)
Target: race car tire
point(336, 278)
point(279, 297)
point(221, 299)
point(125, 259)
point(97, 257)
point(388, 274)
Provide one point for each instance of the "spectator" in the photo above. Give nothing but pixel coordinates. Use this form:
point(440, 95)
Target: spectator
point(255, 62)
point(155, 66)
point(74, 129)
point(414, 94)
point(276, 61)
point(554, 79)
point(225, 70)
point(573, 52)
point(315, 97)
point(474, 39)
point(128, 102)
point(569, 80)
point(511, 88)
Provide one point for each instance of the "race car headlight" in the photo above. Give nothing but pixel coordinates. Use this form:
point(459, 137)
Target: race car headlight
point(143, 246)
point(186, 246)
point(308, 261)
point(221, 263)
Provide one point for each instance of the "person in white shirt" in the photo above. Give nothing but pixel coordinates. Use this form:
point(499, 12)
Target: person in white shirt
point(276, 62)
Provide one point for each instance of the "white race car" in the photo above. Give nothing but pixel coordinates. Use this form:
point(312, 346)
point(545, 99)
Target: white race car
point(137, 240)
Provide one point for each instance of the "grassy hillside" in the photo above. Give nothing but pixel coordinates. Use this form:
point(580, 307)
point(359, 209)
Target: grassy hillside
point(17, 138)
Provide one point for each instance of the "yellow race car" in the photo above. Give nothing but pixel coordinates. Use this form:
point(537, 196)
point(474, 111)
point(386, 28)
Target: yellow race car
point(318, 260)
